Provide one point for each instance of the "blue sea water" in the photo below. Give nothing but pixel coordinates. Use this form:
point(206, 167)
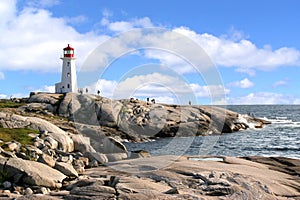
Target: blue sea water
point(281, 138)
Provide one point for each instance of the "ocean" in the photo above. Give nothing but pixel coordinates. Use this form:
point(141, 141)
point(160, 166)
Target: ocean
point(281, 138)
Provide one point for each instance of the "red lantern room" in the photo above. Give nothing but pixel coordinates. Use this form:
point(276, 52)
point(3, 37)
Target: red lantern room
point(69, 52)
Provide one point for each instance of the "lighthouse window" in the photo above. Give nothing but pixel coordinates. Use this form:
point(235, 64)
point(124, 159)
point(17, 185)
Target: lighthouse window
point(68, 64)
point(68, 74)
point(68, 85)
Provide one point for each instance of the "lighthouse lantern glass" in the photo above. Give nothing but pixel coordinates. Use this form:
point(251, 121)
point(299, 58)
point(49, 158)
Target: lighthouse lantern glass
point(68, 51)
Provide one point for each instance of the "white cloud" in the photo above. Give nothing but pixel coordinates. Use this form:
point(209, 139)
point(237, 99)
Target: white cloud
point(234, 35)
point(245, 83)
point(153, 84)
point(243, 54)
point(296, 101)
point(280, 83)
point(121, 26)
point(40, 40)
point(263, 98)
point(3, 96)
point(106, 87)
point(37, 39)
point(171, 60)
point(164, 88)
point(50, 89)
point(250, 72)
point(7, 10)
point(209, 91)
point(165, 99)
point(2, 76)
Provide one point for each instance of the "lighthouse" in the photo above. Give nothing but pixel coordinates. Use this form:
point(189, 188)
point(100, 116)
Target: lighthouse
point(68, 76)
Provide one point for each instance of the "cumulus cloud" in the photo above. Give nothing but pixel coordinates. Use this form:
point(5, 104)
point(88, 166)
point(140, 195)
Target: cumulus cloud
point(7, 10)
point(106, 87)
point(121, 26)
point(47, 88)
point(37, 39)
point(243, 54)
point(164, 88)
point(208, 91)
point(245, 83)
point(171, 60)
point(263, 98)
point(151, 84)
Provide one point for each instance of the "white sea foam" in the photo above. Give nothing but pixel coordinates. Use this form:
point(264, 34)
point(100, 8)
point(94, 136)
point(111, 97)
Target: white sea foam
point(278, 120)
point(243, 119)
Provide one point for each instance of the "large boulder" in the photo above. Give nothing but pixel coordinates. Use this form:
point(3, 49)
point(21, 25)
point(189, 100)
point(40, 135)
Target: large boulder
point(79, 108)
point(38, 108)
point(68, 105)
point(96, 156)
point(108, 112)
point(113, 157)
point(47, 98)
point(31, 173)
point(66, 168)
point(112, 145)
point(82, 143)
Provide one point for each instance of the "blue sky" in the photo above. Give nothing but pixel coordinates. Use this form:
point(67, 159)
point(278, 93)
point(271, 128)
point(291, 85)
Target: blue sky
point(254, 46)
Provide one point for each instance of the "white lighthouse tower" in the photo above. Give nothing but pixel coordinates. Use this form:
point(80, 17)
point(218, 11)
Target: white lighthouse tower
point(68, 77)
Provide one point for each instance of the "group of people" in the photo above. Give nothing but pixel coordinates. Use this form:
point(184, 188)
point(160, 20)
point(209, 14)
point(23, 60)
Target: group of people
point(80, 90)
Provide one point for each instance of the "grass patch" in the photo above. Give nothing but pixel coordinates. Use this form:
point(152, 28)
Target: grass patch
point(17, 134)
point(10, 104)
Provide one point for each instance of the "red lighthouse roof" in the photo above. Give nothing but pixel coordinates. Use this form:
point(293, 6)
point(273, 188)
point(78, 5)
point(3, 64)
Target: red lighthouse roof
point(69, 47)
point(68, 51)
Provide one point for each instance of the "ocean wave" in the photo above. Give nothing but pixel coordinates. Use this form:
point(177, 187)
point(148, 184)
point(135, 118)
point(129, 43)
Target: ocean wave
point(271, 149)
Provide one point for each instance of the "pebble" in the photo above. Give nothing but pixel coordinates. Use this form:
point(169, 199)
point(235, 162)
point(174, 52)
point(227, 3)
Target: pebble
point(43, 190)
point(7, 184)
point(6, 191)
point(93, 163)
point(63, 159)
point(12, 146)
point(28, 191)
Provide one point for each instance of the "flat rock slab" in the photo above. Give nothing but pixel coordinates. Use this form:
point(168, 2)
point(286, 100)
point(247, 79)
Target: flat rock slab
point(179, 178)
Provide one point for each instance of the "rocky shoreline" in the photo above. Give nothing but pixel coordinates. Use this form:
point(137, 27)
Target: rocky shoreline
point(137, 120)
point(77, 153)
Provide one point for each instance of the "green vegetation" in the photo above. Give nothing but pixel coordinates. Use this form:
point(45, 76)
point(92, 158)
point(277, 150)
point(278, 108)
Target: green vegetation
point(17, 134)
point(10, 104)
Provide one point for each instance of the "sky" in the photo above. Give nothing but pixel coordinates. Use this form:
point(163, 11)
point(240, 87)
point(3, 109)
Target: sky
point(253, 49)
